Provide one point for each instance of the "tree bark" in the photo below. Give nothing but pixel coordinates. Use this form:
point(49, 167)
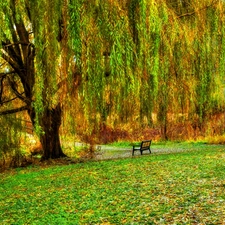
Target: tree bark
point(50, 122)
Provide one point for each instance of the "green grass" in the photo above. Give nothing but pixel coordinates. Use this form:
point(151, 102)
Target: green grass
point(181, 188)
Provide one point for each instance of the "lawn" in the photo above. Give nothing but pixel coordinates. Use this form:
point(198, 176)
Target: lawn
point(175, 188)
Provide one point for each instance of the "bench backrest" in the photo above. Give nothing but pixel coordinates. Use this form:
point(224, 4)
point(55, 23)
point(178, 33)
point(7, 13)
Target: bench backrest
point(146, 144)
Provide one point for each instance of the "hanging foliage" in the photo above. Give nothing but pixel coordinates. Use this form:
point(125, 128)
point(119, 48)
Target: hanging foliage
point(111, 61)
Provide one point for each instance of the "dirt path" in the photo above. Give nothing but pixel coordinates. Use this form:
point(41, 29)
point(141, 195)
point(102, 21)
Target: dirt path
point(107, 152)
point(110, 152)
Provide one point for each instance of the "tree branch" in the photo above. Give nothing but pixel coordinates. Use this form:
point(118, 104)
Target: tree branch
point(18, 43)
point(13, 86)
point(11, 111)
point(14, 49)
point(1, 103)
point(2, 64)
point(7, 73)
point(192, 13)
point(1, 87)
point(9, 60)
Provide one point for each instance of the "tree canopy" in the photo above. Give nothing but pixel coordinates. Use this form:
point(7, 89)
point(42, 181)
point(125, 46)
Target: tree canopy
point(110, 61)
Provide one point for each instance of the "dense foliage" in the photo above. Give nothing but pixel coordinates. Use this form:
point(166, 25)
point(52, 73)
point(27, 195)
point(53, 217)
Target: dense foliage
point(142, 63)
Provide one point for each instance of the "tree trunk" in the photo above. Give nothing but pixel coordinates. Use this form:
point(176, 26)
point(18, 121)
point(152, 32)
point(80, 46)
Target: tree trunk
point(50, 141)
point(50, 122)
point(164, 130)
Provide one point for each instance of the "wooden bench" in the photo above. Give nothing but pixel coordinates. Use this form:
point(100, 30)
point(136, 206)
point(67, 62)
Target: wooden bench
point(145, 145)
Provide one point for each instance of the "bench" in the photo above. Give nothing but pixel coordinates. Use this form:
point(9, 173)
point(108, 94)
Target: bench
point(145, 145)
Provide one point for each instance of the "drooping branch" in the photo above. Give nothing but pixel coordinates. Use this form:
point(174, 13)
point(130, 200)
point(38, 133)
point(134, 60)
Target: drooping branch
point(11, 111)
point(198, 10)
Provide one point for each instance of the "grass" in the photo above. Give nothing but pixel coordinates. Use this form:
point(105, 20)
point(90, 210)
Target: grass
point(181, 188)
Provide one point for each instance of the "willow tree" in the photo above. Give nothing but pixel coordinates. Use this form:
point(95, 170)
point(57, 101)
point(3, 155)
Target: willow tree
point(164, 57)
point(102, 58)
point(194, 39)
point(31, 40)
